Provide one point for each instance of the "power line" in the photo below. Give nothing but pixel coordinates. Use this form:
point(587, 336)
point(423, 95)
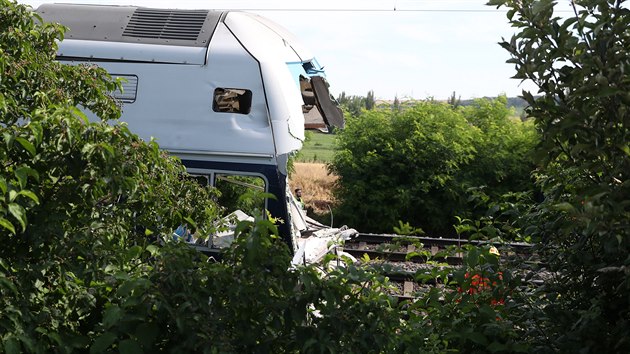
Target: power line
point(369, 10)
point(375, 10)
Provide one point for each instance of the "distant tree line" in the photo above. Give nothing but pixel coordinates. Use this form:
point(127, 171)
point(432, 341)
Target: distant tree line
point(356, 104)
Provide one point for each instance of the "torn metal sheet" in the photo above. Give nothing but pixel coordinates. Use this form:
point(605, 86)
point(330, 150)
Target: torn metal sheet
point(313, 249)
point(226, 238)
point(320, 109)
point(332, 114)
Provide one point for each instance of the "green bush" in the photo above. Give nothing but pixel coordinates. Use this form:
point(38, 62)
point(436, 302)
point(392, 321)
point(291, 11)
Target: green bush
point(416, 165)
point(389, 164)
point(503, 158)
point(473, 309)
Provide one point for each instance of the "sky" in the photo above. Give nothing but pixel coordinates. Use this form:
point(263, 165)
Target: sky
point(397, 48)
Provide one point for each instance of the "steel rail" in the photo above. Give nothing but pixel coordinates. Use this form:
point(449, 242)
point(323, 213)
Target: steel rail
point(401, 256)
point(433, 241)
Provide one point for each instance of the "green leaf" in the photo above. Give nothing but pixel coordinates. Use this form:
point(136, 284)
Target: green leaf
point(412, 255)
point(567, 207)
point(472, 257)
point(27, 145)
point(8, 284)
point(496, 3)
point(5, 265)
point(496, 347)
point(607, 92)
point(146, 334)
point(130, 346)
point(23, 172)
point(111, 316)
point(19, 213)
point(7, 225)
point(542, 5)
point(76, 341)
point(3, 185)
point(109, 149)
point(38, 131)
point(102, 343)
point(478, 338)
point(192, 223)
point(153, 250)
point(12, 346)
point(29, 194)
point(8, 140)
point(134, 252)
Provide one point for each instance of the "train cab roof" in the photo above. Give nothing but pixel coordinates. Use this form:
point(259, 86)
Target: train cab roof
point(158, 35)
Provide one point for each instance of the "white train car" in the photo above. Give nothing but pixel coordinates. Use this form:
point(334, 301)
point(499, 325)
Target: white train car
point(230, 93)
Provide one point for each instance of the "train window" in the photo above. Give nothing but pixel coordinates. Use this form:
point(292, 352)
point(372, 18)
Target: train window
point(201, 179)
point(245, 193)
point(129, 88)
point(232, 100)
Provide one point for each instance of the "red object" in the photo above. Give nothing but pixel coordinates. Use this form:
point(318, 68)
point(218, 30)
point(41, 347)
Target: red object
point(479, 284)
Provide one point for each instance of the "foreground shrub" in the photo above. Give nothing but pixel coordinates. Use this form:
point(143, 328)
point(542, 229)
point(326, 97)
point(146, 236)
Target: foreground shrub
point(87, 211)
point(579, 64)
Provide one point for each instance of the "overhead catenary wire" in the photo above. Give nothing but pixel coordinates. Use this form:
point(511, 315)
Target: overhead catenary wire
point(363, 10)
point(429, 6)
point(440, 6)
point(394, 9)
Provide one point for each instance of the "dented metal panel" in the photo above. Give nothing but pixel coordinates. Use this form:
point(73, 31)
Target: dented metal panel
point(283, 99)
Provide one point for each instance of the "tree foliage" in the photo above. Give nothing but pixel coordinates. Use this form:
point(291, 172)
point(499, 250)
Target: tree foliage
point(454, 100)
point(369, 100)
point(417, 164)
point(580, 66)
point(355, 105)
point(503, 151)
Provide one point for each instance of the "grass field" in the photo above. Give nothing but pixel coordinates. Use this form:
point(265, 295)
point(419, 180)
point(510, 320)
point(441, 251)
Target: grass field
point(319, 148)
point(316, 184)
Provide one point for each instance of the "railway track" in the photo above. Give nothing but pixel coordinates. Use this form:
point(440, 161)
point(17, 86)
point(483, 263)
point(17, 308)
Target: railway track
point(402, 258)
point(431, 241)
point(397, 248)
point(408, 261)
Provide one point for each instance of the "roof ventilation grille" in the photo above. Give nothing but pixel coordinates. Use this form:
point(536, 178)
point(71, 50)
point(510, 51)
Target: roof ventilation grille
point(166, 24)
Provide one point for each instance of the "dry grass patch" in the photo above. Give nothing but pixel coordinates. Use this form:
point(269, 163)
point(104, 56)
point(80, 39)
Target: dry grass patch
point(316, 184)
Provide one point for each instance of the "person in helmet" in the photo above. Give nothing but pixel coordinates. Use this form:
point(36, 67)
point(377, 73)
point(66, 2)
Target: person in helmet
point(298, 197)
